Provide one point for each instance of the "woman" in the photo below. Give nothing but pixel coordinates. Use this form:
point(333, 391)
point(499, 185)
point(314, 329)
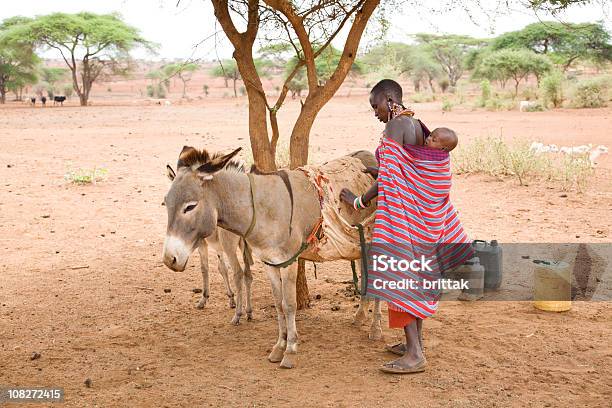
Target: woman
point(424, 211)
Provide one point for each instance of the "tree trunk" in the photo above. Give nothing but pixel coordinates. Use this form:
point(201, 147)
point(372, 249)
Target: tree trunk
point(235, 93)
point(258, 126)
point(301, 289)
point(298, 146)
point(516, 85)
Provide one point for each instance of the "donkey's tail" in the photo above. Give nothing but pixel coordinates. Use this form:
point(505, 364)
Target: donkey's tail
point(247, 255)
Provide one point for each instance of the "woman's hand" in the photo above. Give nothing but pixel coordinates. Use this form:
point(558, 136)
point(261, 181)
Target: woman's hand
point(372, 171)
point(347, 196)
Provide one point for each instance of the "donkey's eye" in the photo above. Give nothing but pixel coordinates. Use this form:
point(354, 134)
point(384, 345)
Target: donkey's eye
point(189, 207)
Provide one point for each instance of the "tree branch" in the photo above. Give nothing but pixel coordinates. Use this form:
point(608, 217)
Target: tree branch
point(350, 49)
point(297, 22)
point(223, 17)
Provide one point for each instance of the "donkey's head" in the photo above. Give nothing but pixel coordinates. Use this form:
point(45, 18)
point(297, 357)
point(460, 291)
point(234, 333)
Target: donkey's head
point(192, 208)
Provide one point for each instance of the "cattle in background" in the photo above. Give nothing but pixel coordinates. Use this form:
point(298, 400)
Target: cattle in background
point(43, 100)
point(59, 99)
point(32, 101)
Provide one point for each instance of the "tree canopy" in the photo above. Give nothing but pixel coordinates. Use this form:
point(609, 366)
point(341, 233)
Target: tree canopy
point(563, 42)
point(450, 51)
point(508, 64)
point(183, 70)
point(90, 44)
point(17, 59)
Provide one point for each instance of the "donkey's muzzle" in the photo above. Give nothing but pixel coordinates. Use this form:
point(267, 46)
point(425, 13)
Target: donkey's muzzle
point(176, 253)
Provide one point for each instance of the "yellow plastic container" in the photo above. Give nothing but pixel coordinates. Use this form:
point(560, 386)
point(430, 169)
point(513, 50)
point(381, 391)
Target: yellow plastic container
point(552, 286)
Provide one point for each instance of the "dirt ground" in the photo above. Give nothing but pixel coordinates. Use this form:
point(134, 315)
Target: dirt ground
point(78, 262)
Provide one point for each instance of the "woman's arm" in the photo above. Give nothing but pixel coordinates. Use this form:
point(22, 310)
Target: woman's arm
point(349, 197)
point(372, 171)
point(370, 194)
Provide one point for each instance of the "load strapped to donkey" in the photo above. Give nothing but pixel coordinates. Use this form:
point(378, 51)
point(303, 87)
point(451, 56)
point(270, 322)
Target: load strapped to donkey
point(340, 235)
point(342, 232)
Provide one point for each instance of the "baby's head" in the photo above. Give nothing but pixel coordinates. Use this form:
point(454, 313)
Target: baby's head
point(443, 139)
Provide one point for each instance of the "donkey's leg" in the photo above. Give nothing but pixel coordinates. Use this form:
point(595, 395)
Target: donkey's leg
point(238, 275)
point(376, 329)
point(203, 250)
point(223, 272)
point(248, 280)
point(289, 279)
point(279, 348)
point(362, 312)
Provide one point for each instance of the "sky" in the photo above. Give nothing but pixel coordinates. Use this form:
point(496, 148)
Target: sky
point(188, 31)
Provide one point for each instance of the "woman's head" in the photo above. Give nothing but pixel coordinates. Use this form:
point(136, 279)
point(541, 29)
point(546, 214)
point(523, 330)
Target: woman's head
point(382, 96)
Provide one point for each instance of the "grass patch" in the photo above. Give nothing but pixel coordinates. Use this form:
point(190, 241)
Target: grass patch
point(495, 157)
point(86, 176)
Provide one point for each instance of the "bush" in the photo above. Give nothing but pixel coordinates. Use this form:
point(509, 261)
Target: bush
point(447, 105)
point(68, 90)
point(552, 89)
point(530, 93)
point(485, 92)
point(161, 91)
point(589, 94)
point(495, 157)
point(420, 98)
point(443, 83)
point(574, 171)
point(493, 104)
point(156, 91)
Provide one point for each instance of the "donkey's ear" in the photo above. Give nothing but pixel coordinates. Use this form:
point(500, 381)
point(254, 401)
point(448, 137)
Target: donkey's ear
point(171, 173)
point(186, 149)
point(207, 170)
point(185, 153)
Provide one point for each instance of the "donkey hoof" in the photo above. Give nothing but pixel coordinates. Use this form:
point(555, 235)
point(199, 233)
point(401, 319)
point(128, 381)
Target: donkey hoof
point(359, 319)
point(276, 355)
point(249, 316)
point(375, 334)
point(232, 304)
point(289, 360)
point(201, 303)
point(236, 320)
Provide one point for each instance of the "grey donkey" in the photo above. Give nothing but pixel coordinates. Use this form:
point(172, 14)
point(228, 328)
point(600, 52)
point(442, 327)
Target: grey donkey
point(226, 245)
point(204, 195)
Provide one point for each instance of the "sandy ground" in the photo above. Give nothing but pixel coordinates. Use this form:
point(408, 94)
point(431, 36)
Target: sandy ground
point(75, 260)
